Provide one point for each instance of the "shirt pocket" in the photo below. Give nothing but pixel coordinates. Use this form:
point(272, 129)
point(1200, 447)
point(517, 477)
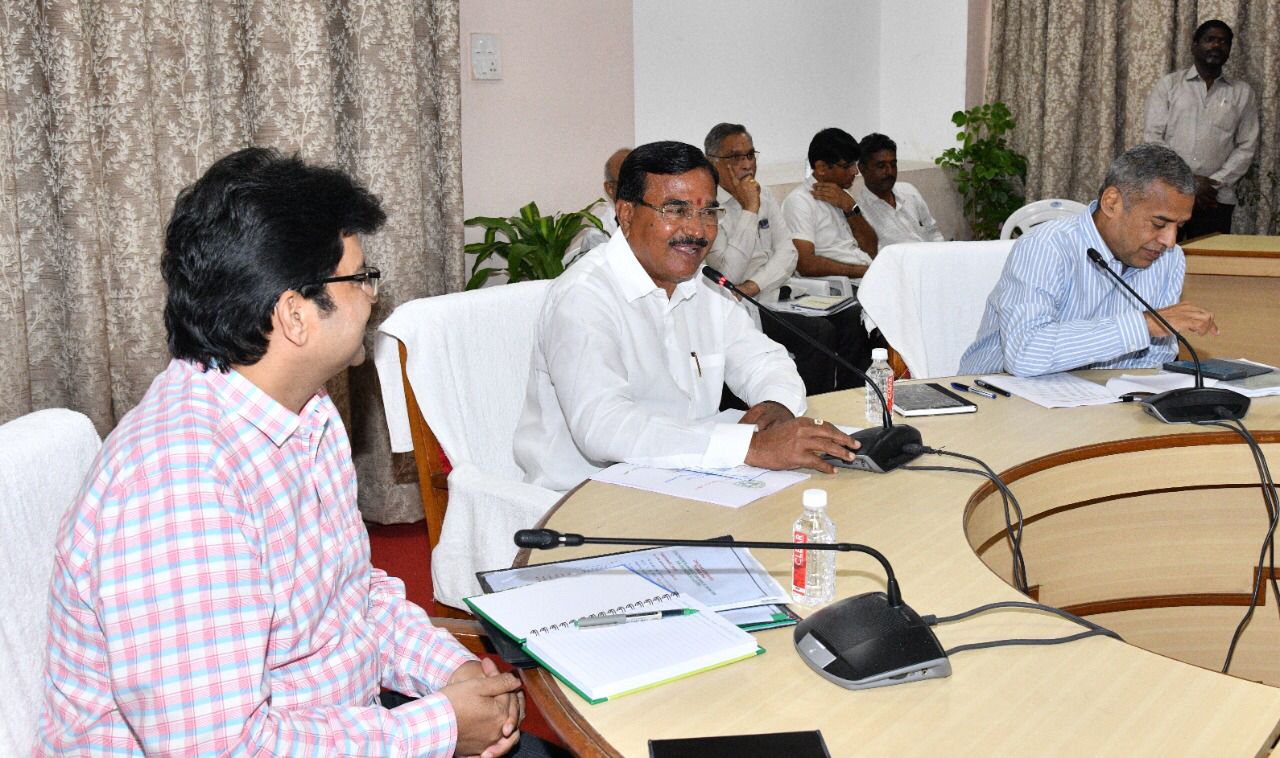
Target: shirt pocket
point(1222, 115)
point(709, 370)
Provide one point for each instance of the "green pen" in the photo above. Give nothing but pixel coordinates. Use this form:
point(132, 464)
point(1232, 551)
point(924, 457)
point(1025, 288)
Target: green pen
point(612, 619)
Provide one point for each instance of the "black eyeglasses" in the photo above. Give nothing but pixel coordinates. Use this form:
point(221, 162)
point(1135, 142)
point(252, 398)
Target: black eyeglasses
point(367, 277)
point(750, 155)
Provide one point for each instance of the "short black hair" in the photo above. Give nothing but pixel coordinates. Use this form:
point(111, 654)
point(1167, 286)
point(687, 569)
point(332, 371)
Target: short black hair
point(718, 134)
point(666, 158)
point(876, 142)
point(1213, 23)
point(831, 146)
point(254, 226)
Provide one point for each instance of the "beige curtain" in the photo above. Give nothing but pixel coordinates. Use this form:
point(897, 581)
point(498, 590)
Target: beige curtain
point(109, 107)
point(1076, 74)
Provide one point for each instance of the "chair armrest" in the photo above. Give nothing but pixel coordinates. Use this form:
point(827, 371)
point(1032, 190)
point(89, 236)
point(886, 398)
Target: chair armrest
point(468, 632)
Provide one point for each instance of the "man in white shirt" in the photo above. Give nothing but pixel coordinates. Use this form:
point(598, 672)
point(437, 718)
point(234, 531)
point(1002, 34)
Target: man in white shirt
point(830, 234)
point(592, 237)
point(894, 209)
point(753, 248)
point(1211, 121)
point(634, 347)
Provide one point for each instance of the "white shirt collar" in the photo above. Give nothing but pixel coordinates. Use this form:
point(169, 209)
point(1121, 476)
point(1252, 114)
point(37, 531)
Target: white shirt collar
point(634, 280)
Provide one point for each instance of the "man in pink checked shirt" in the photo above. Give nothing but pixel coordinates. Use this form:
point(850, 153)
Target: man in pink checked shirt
point(212, 591)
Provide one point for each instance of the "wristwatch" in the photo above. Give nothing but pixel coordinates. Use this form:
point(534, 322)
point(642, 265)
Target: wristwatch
point(854, 211)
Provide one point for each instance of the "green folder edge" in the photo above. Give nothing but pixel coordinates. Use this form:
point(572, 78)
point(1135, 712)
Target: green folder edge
point(580, 693)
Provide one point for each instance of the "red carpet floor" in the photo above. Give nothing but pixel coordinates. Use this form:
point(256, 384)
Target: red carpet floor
point(401, 550)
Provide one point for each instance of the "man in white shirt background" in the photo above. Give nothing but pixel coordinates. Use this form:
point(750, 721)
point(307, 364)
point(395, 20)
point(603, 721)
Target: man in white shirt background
point(830, 234)
point(753, 248)
point(634, 348)
point(1211, 121)
point(603, 210)
point(896, 210)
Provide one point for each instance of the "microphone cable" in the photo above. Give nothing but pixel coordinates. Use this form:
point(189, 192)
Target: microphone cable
point(1091, 629)
point(1272, 502)
point(1013, 522)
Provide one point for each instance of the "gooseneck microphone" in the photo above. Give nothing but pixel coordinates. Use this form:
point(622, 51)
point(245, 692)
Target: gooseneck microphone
point(880, 450)
point(1188, 405)
point(869, 640)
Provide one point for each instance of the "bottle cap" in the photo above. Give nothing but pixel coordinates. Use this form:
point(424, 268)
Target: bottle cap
point(814, 498)
point(879, 354)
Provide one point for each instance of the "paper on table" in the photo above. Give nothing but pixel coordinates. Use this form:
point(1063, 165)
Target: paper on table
point(1061, 390)
point(731, 487)
point(1162, 382)
point(722, 578)
point(1262, 385)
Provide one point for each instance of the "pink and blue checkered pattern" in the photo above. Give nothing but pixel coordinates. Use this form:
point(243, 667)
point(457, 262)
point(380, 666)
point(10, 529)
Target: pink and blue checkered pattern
point(212, 592)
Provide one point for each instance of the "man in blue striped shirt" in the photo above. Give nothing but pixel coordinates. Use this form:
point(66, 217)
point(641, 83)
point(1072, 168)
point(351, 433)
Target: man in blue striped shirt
point(1052, 310)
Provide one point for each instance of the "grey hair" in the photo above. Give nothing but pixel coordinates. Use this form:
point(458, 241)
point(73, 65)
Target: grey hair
point(718, 134)
point(1140, 166)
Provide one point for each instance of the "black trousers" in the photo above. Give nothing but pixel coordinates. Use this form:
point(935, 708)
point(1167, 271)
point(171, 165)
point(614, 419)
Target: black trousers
point(842, 333)
point(1207, 221)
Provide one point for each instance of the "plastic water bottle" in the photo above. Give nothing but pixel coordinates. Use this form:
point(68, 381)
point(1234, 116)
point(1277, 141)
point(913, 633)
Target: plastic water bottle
point(882, 376)
point(813, 572)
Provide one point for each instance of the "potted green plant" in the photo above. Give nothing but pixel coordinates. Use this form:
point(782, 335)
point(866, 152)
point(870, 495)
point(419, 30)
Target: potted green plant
point(533, 246)
point(988, 173)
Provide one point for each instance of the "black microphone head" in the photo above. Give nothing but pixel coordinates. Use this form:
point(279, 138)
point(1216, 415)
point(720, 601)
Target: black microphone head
point(541, 539)
point(715, 276)
point(1095, 256)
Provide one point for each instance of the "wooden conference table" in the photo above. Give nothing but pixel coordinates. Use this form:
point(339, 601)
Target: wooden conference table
point(1152, 529)
point(1237, 276)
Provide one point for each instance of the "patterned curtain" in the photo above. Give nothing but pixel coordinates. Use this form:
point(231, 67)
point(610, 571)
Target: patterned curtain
point(1076, 74)
point(110, 107)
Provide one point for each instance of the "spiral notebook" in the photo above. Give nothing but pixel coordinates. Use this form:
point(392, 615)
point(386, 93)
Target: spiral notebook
point(608, 662)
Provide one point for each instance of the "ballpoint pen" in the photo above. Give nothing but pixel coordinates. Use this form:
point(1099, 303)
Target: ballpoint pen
point(992, 387)
point(611, 619)
point(974, 390)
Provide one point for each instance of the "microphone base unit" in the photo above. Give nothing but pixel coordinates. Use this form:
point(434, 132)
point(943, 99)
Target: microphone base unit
point(863, 642)
point(1190, 405)
point(882, 449)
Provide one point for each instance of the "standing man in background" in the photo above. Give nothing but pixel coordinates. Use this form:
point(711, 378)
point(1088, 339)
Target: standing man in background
point(1211, 120)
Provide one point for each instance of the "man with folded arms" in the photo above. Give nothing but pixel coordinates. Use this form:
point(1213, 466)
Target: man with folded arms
point(831, 236)
point(634, 348)
point(212, 592)
point(895, 209)
point(1053, 310)
point(753, 248)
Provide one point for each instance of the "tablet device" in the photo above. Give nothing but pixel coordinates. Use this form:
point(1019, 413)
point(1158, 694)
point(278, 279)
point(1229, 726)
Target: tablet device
point(928, 399)
point(1216, 368)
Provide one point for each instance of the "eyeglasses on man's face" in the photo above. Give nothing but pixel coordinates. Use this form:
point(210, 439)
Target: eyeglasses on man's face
point(679, 213)
point(750, 155)
point(367, 277)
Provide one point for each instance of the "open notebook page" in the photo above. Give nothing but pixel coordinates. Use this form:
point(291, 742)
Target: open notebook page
point(558, 602)
point(608, 661)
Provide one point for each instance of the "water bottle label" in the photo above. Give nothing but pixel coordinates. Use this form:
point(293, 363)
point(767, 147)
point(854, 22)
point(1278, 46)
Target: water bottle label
point(888, 390)
point(799, 563)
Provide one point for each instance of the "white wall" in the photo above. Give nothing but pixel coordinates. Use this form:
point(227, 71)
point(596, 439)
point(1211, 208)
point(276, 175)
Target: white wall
point(565, 102)
point(923, 47)
point(785, 70)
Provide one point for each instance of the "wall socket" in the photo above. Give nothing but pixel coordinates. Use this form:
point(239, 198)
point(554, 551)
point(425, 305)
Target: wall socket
point(486, 56)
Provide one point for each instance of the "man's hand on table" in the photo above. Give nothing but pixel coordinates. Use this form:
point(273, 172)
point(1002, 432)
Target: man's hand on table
point(766, 414)
point(799, 443)
point(488, 706)
point(1184, 317)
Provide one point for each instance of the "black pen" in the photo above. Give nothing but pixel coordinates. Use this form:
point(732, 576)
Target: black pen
point(974, 390)
point(992, 387)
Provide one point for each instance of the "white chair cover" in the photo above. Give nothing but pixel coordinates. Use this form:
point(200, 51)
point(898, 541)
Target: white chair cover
point(469, 360)
point(44, 457)
point(927, 298)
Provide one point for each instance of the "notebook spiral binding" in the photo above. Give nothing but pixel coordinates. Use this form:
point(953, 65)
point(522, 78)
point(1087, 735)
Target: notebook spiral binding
point(636, 606)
